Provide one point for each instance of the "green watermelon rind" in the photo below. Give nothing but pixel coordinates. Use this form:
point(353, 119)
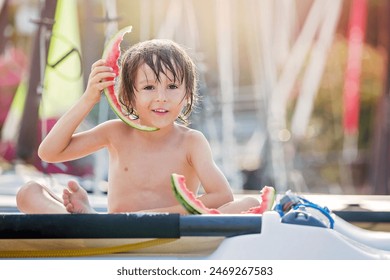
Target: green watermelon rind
point(107, 50)
point(191, 209)
point(271, 196)
point(184, 203)
point(268, 197)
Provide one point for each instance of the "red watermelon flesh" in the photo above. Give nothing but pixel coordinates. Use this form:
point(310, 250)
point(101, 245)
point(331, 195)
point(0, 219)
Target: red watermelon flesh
point(187, 198)
point(194, 206)
point(267, 201)
point(111, 54)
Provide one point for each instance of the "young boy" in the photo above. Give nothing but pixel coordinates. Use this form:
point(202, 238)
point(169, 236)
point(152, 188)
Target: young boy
point(157, 85)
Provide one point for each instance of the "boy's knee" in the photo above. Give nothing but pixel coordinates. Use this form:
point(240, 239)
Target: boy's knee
point(25, 192)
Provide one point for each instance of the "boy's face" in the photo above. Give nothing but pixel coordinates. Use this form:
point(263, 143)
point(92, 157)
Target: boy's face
point(158, 103)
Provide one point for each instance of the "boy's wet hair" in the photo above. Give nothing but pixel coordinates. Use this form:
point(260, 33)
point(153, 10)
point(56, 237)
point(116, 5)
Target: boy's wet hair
point(160, 55)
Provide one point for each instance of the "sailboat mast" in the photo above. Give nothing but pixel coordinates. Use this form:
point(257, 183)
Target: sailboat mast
point(26, 144)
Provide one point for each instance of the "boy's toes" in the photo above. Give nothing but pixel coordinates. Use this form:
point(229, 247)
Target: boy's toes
point(69, 208)
point(65, 192)
point(73, 186)
point(65, 196)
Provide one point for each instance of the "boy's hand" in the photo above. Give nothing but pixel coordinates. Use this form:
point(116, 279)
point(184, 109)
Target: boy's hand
point(97, 82)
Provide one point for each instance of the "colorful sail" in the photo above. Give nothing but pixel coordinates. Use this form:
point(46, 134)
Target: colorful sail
point(63, 83)
point(62, 76)
point(357, 28)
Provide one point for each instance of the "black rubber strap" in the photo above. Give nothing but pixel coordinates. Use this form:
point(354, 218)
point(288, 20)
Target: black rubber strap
point(20, 226)
point(89, 226)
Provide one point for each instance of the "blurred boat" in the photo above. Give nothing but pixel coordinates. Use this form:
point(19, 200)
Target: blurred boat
point(298, 234)
point(171, 236)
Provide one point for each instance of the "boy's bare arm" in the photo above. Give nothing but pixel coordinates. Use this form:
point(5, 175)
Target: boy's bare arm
point(216, 187)
point(53, 148)
point(61, 143)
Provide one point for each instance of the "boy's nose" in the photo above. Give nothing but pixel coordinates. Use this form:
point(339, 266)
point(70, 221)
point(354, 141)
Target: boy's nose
point(161, 96)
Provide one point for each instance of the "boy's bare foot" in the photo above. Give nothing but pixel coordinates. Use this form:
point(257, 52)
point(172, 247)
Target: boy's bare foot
point(76, 199)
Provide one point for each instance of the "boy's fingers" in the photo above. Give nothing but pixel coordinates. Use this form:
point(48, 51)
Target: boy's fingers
point(100, 69)
point(106, 84)
point(98, 63)
point(100, 77)
point(103, 84)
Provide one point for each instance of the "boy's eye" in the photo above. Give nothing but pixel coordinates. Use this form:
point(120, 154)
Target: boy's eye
point(149, 88)
point(172, 86)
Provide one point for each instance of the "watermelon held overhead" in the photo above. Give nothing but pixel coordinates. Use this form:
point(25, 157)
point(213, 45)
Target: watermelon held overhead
point(111, 54)
point(187, 198)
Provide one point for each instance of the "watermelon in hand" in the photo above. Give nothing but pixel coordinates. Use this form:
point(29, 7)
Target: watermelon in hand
point(111, 55)
point(187, 198)
point(194, 206)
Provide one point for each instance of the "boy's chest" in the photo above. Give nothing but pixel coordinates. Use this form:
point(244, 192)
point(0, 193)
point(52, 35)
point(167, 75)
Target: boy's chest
point(164, 159)
point(148, 173)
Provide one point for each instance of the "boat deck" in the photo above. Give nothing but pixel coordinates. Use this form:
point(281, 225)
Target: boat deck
point(367, 211)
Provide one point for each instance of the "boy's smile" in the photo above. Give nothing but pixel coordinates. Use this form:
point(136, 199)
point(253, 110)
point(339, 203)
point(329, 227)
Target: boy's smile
point(160, 111)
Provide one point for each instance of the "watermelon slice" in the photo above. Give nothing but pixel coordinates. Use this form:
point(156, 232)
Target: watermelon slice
point(194, 206)
point(268, 196)
point(111, 54)
point(187, 198)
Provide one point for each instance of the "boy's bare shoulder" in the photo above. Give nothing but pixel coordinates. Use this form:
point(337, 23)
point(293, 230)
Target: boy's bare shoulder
point(191, 135)
point(114, 124)
point(113, 128)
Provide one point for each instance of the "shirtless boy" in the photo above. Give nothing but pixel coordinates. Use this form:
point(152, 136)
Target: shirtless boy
point(157, 85)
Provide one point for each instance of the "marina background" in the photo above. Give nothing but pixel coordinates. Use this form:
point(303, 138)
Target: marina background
point(295, 94)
